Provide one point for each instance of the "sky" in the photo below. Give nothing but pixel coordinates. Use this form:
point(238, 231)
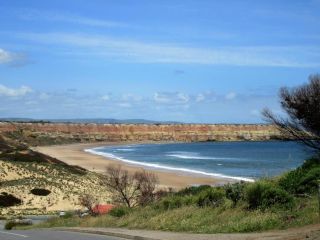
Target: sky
point(192, 61)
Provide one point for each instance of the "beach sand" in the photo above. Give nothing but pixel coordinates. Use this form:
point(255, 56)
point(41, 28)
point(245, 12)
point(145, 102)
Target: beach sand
point(74, 154)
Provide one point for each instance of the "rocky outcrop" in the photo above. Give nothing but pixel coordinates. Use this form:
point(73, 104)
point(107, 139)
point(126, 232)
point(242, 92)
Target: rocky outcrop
point(55, 133)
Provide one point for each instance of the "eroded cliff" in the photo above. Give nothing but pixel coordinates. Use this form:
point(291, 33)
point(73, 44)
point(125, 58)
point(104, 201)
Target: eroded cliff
point(55, 133)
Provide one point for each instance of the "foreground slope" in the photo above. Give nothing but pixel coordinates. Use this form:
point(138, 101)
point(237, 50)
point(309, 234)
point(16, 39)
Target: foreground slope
point(22, 170)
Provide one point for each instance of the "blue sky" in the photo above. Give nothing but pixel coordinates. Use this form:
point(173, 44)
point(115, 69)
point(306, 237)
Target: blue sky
point(190, 61)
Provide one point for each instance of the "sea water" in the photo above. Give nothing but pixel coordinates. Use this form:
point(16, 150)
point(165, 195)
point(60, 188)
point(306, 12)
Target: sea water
point(235, 160)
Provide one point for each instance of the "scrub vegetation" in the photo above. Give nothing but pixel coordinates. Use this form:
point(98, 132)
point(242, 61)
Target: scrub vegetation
point(276, 203)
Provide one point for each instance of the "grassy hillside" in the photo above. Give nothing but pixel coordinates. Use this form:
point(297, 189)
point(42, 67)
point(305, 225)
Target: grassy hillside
point(287, 201)
point(23, 170)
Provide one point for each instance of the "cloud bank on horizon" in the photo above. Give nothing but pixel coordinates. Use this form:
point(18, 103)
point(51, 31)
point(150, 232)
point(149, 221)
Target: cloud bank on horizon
point(186, 61)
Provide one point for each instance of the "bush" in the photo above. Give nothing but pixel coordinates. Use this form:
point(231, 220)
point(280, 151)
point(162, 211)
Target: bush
point(9, 225)
point(291, 181)
point(14, 223)
point(309, 182)
point(172, 202)
point(235, 192)
point(265, 194)
point(8, 200)
point(193, 190)
point(302, 180)
point(213, 197)
point(119, 211)
point(254, 192)
point(68, 214)
point(40, 192)
point(276, 196)
point(311, 163)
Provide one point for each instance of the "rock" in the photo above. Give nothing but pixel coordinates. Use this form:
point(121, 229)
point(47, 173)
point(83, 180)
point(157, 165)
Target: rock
point(56, 133)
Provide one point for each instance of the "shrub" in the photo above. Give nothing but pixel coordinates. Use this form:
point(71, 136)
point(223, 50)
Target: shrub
point(309, 182)
point(172, 202)
point(119, 211)
point(254, 192)
point(302, 180)
point(40, 192)
point(213, 197)
point(13, 223)
point(194, 190)
point(8, 200)
point(265, 194)
point(9, 225)
point(276, 196)
point(291, 181)
point(235, 192)
point(160, 194)
point(311, 163)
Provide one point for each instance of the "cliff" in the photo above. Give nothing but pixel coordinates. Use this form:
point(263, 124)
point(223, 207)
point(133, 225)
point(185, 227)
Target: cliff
point(55, 133)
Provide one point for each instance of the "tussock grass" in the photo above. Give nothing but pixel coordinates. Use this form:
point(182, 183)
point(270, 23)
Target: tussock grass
point(242, 207)
point(223, 219)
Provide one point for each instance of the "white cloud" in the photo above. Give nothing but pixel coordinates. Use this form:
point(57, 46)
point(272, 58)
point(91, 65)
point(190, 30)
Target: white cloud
point(183, 97)
point(207, 96)
point(6, 57)
point(131, 97)
point(105, 97)
point(161, 97)
point(13, 59)
point(124, 105)
point(255, 113)
point(171, 97)
point(200, 97)
point(139, 51)
point(33, 14)
point(231, 96)
point(12, 92)
point(44, 96)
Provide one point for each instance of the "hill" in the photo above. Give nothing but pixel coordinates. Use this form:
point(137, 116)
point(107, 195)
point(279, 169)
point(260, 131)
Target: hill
point(23, 171)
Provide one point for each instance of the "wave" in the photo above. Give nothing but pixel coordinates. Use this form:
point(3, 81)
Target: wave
point(125, 149)
point(158, 166)
point(189, 155)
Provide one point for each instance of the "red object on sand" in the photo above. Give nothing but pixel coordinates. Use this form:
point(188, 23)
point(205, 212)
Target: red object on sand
point(102, 208)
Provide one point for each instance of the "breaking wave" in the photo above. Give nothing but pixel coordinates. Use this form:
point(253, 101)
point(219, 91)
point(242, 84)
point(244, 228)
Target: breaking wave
point(164, 167)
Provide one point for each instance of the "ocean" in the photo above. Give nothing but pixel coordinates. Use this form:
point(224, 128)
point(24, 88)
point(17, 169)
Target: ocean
point(233, 160)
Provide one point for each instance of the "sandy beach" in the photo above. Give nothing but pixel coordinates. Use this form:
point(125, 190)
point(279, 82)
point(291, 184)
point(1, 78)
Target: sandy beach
point(74, 154)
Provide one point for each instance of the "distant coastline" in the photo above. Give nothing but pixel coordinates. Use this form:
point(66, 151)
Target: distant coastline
point(62, 133)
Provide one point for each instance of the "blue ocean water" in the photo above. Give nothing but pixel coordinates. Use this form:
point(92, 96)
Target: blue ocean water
point(236, 160)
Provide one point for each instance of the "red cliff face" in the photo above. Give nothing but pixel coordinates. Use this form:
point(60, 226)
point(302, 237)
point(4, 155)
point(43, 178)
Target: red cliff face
point(49, 133)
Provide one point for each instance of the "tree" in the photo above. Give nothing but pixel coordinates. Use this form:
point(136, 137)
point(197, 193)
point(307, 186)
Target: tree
point(130, 189)
point(146, 182)
point(88, 202)
point(302, 105)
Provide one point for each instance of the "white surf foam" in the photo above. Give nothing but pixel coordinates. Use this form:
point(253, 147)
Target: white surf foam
point(194, 155)
point(125, 149)
point(155, 165)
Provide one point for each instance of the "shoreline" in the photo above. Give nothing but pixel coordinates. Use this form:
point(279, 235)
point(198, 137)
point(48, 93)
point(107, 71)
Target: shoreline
point(75, 154)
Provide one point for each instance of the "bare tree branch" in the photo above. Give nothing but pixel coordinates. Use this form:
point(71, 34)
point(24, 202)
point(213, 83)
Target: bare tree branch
point(302, 105)
point(88, 202)
point(130, 189)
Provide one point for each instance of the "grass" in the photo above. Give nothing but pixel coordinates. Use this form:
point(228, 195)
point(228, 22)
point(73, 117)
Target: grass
point(237, 208)
point(223, 219)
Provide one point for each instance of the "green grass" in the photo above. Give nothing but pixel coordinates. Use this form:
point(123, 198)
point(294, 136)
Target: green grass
point(242, 207)
point(223, 219)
